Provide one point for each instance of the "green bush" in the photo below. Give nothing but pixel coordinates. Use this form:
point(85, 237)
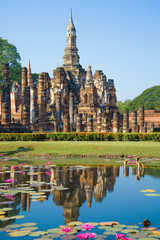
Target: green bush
point(82, 136)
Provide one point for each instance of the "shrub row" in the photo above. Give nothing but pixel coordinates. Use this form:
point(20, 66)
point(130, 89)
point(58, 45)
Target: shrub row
point(85, 136)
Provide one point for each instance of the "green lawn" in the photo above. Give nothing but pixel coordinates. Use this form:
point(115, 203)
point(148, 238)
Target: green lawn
point(89, 149)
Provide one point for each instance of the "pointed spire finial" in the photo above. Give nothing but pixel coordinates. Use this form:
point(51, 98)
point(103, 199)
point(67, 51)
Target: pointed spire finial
point(71, 24)
point(29, 75)
point(29, 66)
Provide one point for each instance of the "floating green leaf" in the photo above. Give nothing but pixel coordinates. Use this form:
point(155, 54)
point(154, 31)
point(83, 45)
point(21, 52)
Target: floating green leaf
point(130, 231)
point(37, 234)
point(132, 226)
point(147, 190)
point(28, 224)
point(14, 226)
point(152, 195)
point(29, 229)
point(19, 233)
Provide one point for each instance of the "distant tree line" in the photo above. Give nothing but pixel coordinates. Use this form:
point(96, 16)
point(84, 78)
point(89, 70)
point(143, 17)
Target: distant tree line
point(150, 99)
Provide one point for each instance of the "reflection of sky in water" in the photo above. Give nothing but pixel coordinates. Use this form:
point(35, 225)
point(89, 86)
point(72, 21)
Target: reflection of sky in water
point(110, 196)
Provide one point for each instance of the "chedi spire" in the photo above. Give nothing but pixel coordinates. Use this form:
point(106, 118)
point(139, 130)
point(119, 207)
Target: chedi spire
point(29, 76)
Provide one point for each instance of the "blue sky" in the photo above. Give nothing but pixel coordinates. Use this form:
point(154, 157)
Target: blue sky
point(120, 37)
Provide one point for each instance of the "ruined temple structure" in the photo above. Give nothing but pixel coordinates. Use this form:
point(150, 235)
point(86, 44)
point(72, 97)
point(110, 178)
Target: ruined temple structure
point(73, 100)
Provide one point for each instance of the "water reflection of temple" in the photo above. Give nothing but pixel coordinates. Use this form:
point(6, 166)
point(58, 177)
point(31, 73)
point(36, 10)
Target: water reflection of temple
point(84, 185)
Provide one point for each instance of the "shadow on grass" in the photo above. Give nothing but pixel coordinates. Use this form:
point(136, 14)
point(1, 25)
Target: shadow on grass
point(20, 149)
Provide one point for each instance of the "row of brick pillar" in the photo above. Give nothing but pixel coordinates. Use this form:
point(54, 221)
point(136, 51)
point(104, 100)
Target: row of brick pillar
point(6, 102)
point(68, 116)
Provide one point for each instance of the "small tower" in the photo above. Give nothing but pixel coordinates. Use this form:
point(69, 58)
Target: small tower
point(29, 76)
point(71, 57)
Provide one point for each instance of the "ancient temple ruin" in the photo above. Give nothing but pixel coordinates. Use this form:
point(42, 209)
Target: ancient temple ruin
point(73, 100)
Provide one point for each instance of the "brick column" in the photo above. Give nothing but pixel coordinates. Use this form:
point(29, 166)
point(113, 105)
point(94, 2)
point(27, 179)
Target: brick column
point(25, 99)
point(32, 106)
point(89, 123)
point(126, 121)
point(104, 122)
point(99, 119)
point(66, 122)
point(115, 122)
point(134, 121)
point(58, 110)
point(141, 118)
point(79, 122)
point(6, 102)
point(71, 111)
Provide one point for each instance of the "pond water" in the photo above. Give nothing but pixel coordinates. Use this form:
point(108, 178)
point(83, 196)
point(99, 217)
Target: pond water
point(53, 196)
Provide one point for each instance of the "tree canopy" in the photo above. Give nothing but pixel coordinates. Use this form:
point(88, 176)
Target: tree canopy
point(150, 99)
point(9, 54)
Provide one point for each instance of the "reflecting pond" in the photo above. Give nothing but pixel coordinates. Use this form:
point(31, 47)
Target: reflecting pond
point(50, 196)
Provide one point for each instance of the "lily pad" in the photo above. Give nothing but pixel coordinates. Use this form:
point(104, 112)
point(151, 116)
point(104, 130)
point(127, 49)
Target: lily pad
point(28, 224)
point(156, 232)
point(148, 238)
point(130, 231)
point(100, 236)
point(109, 233)
point(37, 234)
point(108, 223)
point(6, 202)
point(15, 226)
point(2, 213)
point(29, 229)
point(5, 219)
point(152, 195)
point(17, 217)
point(53, 230)
point(132, 226)
point(69, 237)
point(19, 233)
point(94, 223)
point(147, 190)
point(76, 223)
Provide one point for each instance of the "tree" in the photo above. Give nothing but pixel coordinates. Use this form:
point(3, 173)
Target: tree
point(150, 99)
point(35, 77)
point(9, 54)
point(123, 105)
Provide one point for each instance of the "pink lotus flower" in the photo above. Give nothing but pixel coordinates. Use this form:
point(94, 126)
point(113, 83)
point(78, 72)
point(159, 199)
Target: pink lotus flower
point(122, 236)
point(21, 164)
point(66, 229)
point(87, 226)
point(15, 167)
point(86, 235)
point(134, 164)
point(48, 163)
point(119, 236)
point(93, 235)
point(80, 236)
point(48, 173)
point(1, 162)
point(47, 155)
point(132, 160)
point(1, 154)
point(129, 156)
point(22, 172)
point(129, 163)
point(9, 180)
point(135, 156)
point(9, 197)
point(126, 238)
point(5, 158)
